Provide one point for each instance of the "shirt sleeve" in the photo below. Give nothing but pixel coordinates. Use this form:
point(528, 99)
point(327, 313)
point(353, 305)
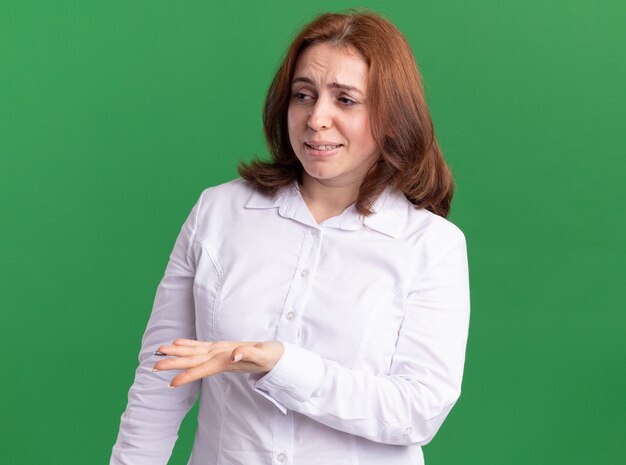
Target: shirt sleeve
point(149, 426)
point(409, 404)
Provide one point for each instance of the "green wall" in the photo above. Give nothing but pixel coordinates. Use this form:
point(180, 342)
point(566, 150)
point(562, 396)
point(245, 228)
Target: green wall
point(114, 115)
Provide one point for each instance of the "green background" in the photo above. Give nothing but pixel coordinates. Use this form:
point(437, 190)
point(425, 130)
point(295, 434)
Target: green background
point(114, 115)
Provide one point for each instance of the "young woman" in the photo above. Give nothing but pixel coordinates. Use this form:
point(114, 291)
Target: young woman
point(320, 303)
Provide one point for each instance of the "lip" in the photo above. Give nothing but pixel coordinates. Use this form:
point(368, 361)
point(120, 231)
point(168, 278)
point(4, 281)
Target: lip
point(321, 153)
point(320, 142)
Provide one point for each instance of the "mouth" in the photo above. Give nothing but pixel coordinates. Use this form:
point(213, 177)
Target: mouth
point(322, 150)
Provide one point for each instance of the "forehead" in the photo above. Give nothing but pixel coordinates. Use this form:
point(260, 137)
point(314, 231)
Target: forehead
point(326, 62)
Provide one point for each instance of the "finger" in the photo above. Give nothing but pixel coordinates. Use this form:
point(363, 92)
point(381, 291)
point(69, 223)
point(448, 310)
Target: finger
point(208, 368)
point(180, 363)
point(183, 350)
point(247, 353)
point(191, 342)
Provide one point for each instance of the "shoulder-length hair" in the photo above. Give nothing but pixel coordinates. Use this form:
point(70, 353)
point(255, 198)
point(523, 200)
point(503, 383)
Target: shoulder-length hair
point(410, 158)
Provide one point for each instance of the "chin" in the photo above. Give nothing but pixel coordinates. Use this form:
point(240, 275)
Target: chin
point(321, 174)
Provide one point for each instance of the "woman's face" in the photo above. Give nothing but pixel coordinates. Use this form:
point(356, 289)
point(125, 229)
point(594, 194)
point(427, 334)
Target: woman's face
point(328, 116)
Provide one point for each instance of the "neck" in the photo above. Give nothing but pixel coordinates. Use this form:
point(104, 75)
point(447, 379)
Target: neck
point(326, 196)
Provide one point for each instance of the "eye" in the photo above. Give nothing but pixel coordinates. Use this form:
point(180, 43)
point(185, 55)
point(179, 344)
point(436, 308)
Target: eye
point(347, 101)
point(301, 97)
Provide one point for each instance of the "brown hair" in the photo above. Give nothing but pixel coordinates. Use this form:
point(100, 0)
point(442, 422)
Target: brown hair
point(411, 160)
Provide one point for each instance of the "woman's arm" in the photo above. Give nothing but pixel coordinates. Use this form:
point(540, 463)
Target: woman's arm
point(149, 426)
point(405, 406)
point(408, 405)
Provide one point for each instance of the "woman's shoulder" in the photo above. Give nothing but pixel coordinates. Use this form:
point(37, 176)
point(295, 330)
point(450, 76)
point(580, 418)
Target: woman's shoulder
point(227, 196)
point(418, 223)
point(220, 207)
point(426, 234)
point(234, 189)
point(429, 223)
point(222, 199)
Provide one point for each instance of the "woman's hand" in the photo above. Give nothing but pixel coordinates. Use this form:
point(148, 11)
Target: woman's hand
point(201, 359)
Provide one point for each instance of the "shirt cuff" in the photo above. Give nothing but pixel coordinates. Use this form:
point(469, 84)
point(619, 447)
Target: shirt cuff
point(292, 380)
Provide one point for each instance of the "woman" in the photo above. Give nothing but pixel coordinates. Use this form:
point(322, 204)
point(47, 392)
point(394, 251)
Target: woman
point(320, 303)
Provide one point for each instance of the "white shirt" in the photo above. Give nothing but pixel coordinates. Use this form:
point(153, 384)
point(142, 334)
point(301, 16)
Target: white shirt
point(373, 314)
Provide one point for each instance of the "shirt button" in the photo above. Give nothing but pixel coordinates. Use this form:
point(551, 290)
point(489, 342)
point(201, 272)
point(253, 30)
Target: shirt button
point(304, 273)
point(281, 457)
point(290, 315)
point(407, 430)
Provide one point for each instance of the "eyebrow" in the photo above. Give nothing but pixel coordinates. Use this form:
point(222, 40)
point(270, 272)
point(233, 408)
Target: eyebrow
point(333, 85)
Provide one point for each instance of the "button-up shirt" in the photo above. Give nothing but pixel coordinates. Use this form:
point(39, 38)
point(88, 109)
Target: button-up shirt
point(373, 314)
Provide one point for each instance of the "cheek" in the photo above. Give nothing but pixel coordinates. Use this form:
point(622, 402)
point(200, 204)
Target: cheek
point(294, 116)
point(361, 133)
point(289, 117)
point(294, 131)
point(291, 125)
point(292, 121)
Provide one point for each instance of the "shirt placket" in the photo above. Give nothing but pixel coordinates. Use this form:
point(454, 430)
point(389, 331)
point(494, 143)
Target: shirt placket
point(288, 330)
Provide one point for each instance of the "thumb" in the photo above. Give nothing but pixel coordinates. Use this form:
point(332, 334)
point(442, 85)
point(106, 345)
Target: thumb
point(246, 353)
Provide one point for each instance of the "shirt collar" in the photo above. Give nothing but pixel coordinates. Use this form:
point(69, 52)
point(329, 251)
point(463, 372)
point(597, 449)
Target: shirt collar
point(389, 211)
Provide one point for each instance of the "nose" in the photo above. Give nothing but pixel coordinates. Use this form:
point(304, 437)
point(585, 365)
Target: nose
point(320, 116)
